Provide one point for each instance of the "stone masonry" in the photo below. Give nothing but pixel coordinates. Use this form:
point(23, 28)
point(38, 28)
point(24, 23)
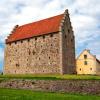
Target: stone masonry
point(68, 86)
point(52, 53)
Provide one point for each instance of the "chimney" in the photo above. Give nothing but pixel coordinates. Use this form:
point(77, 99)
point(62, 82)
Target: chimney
point(88, 51)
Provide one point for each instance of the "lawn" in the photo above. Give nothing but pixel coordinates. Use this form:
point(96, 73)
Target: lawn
point(50, 77)
point(15, 94)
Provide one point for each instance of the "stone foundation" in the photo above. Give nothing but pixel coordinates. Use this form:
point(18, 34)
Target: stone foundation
point(68, 86)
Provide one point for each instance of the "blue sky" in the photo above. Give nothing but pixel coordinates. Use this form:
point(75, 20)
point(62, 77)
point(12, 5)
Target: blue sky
point(84, 14)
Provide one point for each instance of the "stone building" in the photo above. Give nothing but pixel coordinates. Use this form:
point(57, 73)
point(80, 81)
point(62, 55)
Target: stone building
point(87, 63)
point(46, 46)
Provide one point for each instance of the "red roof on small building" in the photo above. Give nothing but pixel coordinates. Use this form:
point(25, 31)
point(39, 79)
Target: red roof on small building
point(41, 27)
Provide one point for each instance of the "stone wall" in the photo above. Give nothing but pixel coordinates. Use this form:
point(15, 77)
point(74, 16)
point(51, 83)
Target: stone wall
point(36, 55)
point(68, 45)
point(68, 86)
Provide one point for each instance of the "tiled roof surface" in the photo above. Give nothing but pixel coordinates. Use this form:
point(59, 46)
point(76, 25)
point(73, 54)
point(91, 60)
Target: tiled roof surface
point(41, 27)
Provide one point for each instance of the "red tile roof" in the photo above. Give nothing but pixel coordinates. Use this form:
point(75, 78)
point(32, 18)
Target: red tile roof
point(41, 27)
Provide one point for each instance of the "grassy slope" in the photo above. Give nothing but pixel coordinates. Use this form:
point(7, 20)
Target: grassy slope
point(14, 94)
point(50, 77)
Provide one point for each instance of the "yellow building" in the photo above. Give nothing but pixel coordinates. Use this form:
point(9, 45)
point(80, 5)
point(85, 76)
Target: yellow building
point(86, 63)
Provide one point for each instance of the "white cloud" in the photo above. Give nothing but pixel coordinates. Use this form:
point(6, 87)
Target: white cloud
point(95, 48)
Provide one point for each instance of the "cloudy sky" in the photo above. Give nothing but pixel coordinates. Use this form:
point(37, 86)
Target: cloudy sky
point(85, 18)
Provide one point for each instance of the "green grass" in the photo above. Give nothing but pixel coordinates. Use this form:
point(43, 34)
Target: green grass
point(15, 94)
point(50, 77)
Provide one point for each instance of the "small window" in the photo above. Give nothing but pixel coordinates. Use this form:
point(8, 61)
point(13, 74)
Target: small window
point(85, 62)
point(90, 68)
point(68, 30)
point(55, 38)
point(51, 35)
point(80, 69)
point(49, 57)
point(17, 65)
point(33, 52)
point(35, 38)
point(43, 37)
point(65, 36)
point(29, 52)
point(39, 58)
point(71, 40)
point(85, 56)
point(21, 41)
point(28, 40)
point(57, 50)
point(10, 44)
point(15, 42)
point(63, 29)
